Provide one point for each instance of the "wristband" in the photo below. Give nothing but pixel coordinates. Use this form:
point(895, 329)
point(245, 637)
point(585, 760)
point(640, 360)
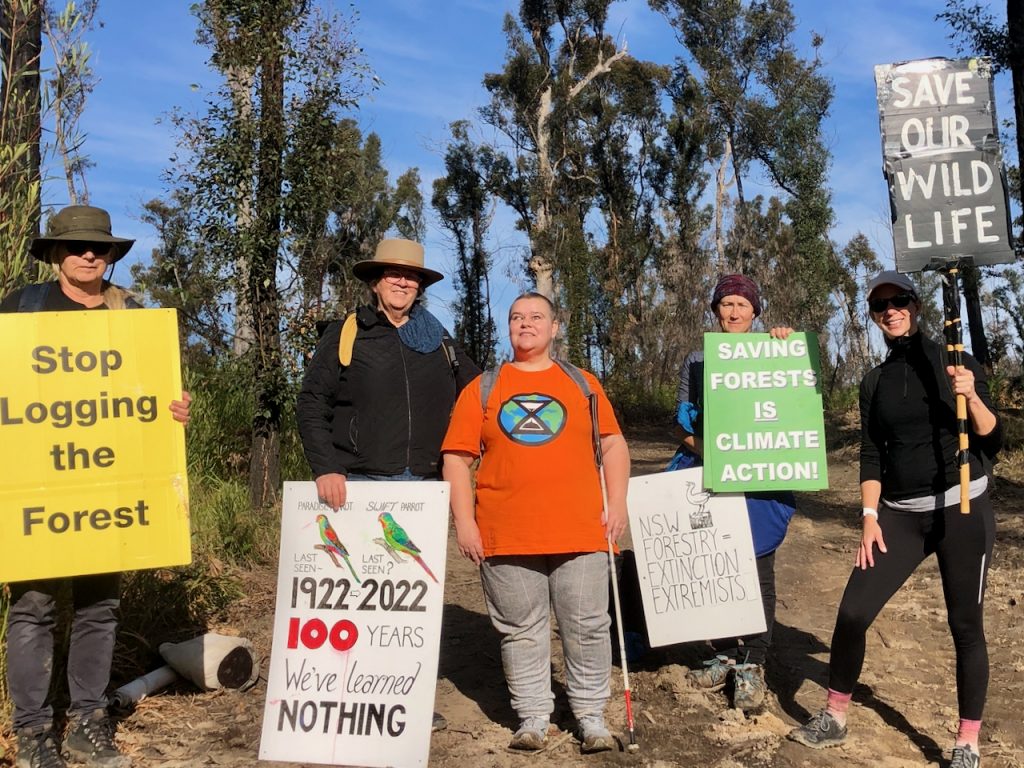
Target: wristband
point(870, 512)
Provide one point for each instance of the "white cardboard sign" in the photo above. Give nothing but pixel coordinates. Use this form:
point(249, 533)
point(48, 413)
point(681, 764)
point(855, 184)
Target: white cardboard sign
point(357, 626)
point(695, 558)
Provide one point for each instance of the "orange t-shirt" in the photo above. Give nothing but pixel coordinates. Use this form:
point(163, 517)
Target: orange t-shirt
point(537, 488)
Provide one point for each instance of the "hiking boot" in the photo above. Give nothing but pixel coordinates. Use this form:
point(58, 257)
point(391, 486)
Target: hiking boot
point(714, 674)
point(89, 741)
point(439, 723)
point(594, 735)
point(37, 748)
point(532, 734)
point(965, 757)
point(821, 731)
point(750, 688)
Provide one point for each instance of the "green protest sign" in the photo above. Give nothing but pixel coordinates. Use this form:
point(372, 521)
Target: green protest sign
point(763, 423)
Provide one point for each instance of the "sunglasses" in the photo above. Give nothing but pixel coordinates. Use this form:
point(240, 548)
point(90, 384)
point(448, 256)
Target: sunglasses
point(899, 301)
point(78, 247)
point(395, 276)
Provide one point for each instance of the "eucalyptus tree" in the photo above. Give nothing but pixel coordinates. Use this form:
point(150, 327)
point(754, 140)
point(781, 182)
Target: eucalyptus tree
point(556, 51)
point(284, 65)
point(765, 105)
point(464, 207)
point(20, 132)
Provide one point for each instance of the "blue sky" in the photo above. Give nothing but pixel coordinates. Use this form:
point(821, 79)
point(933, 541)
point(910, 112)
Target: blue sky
point(431, 56)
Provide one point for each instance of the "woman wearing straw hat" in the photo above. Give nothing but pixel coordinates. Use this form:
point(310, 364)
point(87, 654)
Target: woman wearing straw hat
point(910, 494)
point(381, 415)
point(80, 246)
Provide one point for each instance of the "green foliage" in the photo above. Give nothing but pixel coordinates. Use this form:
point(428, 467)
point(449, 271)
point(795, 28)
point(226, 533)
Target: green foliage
point(70, 82)
point(225, 526)
point(635, 405)
point(20, 130)
point(463, 202)
point(974, 30)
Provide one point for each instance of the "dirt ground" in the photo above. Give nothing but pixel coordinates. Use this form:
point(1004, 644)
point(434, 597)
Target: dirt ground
point(903, 713)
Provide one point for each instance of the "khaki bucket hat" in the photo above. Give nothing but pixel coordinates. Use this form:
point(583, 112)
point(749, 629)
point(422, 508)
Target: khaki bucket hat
point(83, 223)
point(396, 253)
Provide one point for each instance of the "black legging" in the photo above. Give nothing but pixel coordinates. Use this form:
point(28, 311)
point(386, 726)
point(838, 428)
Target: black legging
point(755, 647)
point(963, 545)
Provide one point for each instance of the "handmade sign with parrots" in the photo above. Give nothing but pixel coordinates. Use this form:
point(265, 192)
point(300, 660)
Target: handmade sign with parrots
point(94, 477)
point(357, 628)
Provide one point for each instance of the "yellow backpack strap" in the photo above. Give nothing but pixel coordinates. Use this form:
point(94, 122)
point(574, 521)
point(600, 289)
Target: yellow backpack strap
point(347, 340)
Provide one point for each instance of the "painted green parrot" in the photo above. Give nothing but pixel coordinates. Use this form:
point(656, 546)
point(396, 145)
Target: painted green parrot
point(399, 540)
point(333, 544)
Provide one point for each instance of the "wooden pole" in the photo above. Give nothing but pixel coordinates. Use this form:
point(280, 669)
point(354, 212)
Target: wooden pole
point(953, 331)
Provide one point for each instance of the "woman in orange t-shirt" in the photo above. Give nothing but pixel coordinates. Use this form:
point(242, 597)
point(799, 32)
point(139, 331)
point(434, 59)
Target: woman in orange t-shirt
point(536, 526)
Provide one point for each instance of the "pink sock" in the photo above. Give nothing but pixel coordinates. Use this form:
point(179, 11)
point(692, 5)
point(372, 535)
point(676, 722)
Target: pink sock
point(837, 704)
point(968, 733)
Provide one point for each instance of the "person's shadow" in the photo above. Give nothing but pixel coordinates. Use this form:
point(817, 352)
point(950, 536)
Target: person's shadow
point(471, 661)
point(792, 661)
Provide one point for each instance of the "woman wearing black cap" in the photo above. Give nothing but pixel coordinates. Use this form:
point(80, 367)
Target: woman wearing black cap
point(81, 247)
point(736, 302)
point(910, 495)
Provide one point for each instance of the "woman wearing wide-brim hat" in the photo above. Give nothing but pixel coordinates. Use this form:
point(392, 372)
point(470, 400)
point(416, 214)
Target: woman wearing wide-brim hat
point(80, 246)
point(381, 414)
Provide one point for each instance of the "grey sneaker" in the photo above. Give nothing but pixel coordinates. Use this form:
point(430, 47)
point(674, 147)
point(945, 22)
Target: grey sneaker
point(594, 735)
point(750, 688)
point(532, 734)
point(714, 674)
point(90, 741)
point(965, 757)
point(820, 731)
point(37, 748)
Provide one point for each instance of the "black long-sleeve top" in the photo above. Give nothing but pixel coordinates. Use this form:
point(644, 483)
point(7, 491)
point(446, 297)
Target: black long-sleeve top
point(909, 438)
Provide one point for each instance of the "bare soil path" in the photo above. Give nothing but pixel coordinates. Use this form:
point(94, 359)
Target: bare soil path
point(904, 711)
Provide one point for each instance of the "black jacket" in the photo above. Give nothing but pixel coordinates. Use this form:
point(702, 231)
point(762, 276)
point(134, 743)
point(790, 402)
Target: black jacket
point(909, 433)
point(388, 410)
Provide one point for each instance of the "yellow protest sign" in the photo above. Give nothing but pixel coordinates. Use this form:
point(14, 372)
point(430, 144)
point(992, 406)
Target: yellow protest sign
point(93, 462)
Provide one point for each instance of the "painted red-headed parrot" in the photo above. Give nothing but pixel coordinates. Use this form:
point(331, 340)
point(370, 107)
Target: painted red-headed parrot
point(333, 544)
point(399, 540)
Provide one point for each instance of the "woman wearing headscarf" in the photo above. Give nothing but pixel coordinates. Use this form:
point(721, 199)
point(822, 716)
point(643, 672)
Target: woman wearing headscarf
point(736, 302)
point(535, 524)
point(80, 246)
point(910, 495)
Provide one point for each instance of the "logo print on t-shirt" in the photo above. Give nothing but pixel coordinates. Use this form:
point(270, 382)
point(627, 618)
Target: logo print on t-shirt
point(532, 419)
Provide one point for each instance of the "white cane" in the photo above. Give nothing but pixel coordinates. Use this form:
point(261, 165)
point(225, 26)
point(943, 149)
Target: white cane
point(632, 746)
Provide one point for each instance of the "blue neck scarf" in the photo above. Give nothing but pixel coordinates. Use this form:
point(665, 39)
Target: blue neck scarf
point(422, 332)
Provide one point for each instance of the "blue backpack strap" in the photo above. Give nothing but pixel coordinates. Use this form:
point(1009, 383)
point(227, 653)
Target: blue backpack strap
point(33, 297)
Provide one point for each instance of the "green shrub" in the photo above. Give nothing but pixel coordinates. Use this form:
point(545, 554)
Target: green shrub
point(225, 527)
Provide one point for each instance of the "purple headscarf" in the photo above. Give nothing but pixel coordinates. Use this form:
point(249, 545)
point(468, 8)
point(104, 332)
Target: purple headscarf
point(737, 285)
